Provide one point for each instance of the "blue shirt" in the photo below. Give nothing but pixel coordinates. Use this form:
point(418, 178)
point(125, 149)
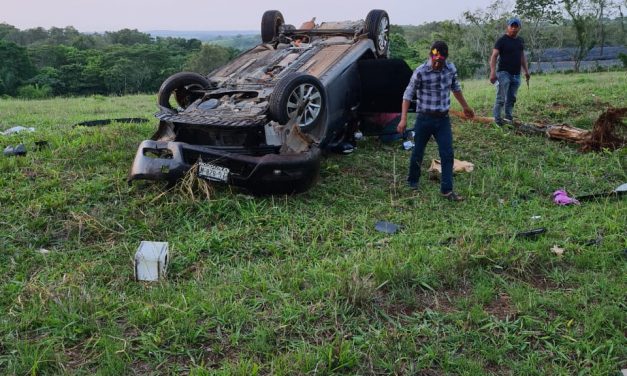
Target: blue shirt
point(432, 88)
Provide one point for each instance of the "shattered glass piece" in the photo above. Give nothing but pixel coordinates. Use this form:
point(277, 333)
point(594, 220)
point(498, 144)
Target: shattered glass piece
point(387, 227)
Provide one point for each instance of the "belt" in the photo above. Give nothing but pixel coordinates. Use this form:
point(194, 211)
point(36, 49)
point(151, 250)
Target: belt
point(438, 114)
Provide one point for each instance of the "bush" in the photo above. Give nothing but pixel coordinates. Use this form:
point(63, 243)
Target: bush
point(34, 92)
point(623, 58)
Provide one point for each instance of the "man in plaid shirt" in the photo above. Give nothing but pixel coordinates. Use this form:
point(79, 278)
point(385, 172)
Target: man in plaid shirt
point(431, 84)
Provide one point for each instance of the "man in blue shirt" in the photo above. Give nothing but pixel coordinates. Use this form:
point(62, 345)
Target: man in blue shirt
point(511, 56)
point(431, 85)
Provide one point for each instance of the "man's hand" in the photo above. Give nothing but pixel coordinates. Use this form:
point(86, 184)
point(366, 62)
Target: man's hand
point(469, 113)
point(527, 76)
point(402, 124)
point(492, 77)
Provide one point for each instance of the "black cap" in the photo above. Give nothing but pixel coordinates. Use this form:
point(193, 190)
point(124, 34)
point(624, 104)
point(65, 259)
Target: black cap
point(441, 47)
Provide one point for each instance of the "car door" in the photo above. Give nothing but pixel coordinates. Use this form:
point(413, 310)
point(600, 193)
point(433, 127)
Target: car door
point(383, 82)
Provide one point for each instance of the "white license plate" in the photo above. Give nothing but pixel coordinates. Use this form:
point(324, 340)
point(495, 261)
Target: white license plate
point(213, 172)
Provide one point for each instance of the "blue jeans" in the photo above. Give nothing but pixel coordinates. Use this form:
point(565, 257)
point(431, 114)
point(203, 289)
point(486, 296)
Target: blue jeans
point(505, 94)
point(440, 128)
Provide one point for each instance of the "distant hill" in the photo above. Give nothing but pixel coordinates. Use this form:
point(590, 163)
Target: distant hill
point(204, 36)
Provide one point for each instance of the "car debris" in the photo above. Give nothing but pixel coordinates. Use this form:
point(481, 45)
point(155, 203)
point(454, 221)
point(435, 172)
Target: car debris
point(531, 234)
point(18, 150)
point(151, 261)
point(41, 145)
point(92, 123)
point(235, 121)
point(17, 129)
point(617, 192)
point(387, 227)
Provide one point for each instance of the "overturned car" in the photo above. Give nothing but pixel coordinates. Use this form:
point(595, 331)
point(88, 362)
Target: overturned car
point(262, 120)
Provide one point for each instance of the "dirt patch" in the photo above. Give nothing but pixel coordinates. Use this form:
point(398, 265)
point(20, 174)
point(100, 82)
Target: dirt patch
point(141, 367)
point(501, 307)
point(440, 301)
point(541, 283)
point(556, 106)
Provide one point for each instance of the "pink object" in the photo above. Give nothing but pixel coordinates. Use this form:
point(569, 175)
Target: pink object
point(560, 197)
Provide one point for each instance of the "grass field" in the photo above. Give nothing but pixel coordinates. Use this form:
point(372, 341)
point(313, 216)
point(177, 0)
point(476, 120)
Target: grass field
point(304, 284)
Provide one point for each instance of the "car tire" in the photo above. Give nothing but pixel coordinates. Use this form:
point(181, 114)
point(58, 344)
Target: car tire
point(294, 89)
point(270, 23)
point(186, 86)
point(378, 28)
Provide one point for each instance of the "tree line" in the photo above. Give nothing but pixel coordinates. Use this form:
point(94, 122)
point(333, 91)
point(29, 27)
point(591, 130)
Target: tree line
point(38, 62)
point(579, 25)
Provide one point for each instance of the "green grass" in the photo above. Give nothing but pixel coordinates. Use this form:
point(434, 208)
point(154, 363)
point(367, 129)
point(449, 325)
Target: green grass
point(304, 284)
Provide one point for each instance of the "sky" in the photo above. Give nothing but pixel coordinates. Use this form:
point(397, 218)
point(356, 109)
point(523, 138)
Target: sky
point(208, 15)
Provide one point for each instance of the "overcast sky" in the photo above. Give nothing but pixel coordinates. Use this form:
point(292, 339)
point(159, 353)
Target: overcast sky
point(144, 15)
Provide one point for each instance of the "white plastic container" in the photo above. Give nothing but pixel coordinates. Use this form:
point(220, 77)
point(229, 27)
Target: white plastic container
point(151, 261)
point(272, 137)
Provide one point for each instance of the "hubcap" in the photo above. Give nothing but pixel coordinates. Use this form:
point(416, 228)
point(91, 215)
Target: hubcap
point(305, 102)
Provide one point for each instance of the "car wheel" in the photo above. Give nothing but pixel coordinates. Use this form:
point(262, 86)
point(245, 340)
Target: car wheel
point(270, 23)
point(187, 87)
point(378, 28)
point(298, 95)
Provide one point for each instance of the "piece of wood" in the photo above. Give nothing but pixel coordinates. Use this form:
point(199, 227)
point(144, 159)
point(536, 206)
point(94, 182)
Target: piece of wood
point(566, 132)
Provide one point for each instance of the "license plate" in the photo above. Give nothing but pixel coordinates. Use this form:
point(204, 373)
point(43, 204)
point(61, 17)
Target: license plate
point(213, 172)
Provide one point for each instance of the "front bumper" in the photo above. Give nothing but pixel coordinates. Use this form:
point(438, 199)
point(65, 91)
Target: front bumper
point(263, 174)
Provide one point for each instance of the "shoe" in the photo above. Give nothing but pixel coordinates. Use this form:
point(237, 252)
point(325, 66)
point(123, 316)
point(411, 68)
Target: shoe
point(499, 122)
point(343, 148)
point(346, 148)
point(452, 196)
point(412, 185)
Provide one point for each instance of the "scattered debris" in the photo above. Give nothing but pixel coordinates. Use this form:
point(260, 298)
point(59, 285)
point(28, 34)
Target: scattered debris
point(527, 234)
point(619, 191)
point(596, 241)
point(560, 197)
point(557, 250)
point(19, 150)
point(41, 144)
point(435, 170)
point(91, 123)
point(296, 141)
point(531, 234)
point(535, 217)
point(408, 145)
point(17, 129)
point(151, 261)
point(387, 227)
point(43, 251)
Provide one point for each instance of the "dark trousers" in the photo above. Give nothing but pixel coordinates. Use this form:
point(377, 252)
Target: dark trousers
point(440, 128)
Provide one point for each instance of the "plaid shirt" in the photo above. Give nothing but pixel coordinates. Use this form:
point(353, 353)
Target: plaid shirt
point(431, 88)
